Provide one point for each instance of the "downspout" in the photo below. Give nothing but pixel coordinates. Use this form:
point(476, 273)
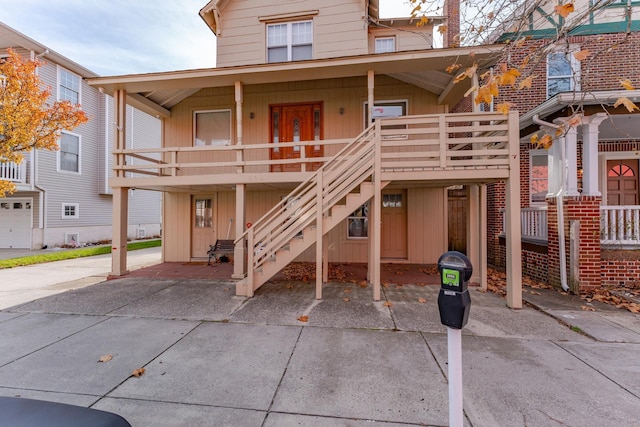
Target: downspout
point(42, 203)
point(559, 206)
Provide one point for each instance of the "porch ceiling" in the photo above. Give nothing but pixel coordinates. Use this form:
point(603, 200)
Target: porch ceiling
point(156, 93)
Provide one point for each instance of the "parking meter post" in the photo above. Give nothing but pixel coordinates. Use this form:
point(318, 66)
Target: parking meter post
point(454, 358)
point(454, 304)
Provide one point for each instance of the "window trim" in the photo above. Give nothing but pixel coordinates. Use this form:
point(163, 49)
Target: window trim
point(364, 209)
point(76, 207)
point(59, 83)
point(58, 169)
point(574, 78)
point(289, 45)
point(532, 154)
point(222, 110)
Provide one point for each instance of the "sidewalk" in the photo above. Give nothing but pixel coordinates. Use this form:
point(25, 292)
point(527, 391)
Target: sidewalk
point(214, 359)
point(22, 284)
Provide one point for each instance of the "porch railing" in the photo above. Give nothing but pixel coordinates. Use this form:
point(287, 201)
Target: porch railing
point(409, 143)
point(620, 225)
point(13, 172)
point(533, 223)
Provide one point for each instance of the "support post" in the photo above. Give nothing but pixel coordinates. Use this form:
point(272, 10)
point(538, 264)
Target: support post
point(319, 233)
point(239, 152)
point(512, 216)
point(119, 231)
point(473, 229)
point(482, 265)
point(239, 249)
point(377, 214)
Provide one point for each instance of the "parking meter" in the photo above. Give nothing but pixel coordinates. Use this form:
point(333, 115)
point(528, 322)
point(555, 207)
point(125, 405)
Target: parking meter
point(454, 300)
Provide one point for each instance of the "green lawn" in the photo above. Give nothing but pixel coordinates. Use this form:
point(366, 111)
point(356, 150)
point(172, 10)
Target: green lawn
point(73, 253)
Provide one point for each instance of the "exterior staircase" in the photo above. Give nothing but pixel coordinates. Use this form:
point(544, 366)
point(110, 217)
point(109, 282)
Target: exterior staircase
point(328, 197)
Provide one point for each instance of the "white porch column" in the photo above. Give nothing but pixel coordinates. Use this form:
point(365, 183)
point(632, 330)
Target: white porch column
point(482, 266)
point(120, 201)
point(571, 166)
point(590, 126)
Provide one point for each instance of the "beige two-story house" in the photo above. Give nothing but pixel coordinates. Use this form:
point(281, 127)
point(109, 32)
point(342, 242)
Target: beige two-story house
point(323, 135)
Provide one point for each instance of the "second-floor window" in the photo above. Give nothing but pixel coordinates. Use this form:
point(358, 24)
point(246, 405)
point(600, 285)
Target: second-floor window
point(289, 41)
point(69, 89)
point(69, 153)
point(562, 73)
point(385, 44)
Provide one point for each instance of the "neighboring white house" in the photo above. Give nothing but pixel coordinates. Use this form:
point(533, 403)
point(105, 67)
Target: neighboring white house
point(63, 197)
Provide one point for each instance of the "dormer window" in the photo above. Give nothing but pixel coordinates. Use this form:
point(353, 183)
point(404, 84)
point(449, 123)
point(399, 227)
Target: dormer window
point(289, 41)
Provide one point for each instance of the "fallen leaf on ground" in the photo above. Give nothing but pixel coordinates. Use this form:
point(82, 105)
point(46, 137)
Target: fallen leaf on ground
point(587, 308)
point(388, 303)
point(363, 284)
point(138, 372)
point(347, 291)
point(534, 293)
point(105, 358)
point(346, 299)
point(304, 319)
point(422, 300)
point(226, 289)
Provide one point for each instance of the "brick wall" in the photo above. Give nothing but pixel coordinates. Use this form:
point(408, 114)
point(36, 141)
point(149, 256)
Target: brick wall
point(615, 272)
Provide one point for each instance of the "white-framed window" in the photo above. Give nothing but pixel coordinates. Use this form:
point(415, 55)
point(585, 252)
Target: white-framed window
point(212, 127)
point(563, 73)
point(290, 41)
point(385, 44)
point(538, 176)
point(358, 223)
point(388, 109)
point(69, 153)
point(69, 86)
point(70, 210)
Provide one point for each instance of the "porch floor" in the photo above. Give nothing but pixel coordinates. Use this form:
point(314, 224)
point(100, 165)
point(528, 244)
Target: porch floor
point(391, 274)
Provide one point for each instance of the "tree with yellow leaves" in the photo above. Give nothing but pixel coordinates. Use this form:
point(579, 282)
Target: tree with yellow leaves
point(524, 57)
point(28, 118)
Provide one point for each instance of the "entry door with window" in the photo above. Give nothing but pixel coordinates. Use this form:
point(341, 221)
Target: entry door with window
point(203, 221)
point(622, 182)
point(394, 224)
point(295, 123)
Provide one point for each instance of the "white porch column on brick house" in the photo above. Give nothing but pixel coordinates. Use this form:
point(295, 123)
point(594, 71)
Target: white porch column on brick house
point(590, 126)
point(120, 202)
point(241, 193)
point(570, 168)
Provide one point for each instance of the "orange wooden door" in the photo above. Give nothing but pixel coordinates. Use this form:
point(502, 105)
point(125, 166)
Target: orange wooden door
point(295, 123)
point(622, 182)
point(394, 224)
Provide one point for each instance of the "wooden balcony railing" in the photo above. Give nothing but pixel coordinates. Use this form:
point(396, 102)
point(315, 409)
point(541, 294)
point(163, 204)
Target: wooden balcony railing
point(409, 144)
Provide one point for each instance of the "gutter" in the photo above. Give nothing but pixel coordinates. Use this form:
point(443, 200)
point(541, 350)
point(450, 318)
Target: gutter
point(559, 206)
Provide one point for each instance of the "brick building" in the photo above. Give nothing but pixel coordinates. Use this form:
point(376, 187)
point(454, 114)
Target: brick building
point(591, 170)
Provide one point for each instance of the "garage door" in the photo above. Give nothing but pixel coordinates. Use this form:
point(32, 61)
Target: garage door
point(15, 223)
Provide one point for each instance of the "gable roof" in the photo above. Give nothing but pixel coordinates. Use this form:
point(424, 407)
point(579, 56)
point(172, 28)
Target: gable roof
point(156, 93)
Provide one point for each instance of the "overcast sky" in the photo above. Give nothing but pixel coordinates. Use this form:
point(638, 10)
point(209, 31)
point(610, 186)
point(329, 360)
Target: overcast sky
point(113, 37)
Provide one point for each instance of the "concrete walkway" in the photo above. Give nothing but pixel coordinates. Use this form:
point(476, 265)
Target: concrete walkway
point(214, 359)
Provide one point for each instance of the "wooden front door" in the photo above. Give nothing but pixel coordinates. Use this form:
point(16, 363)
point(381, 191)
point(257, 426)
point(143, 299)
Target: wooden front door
point(394, 224)
point(296, 123)
point(203, 222)
point(622, 182)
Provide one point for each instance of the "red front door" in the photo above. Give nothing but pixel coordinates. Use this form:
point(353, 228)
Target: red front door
point(622, 182)
point(295, 123)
